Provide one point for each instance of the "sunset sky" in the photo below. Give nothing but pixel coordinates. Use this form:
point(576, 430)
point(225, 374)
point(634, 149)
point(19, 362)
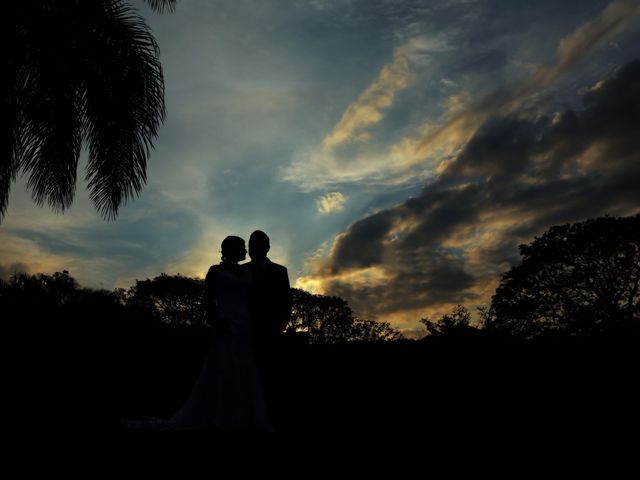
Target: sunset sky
point(397, 152)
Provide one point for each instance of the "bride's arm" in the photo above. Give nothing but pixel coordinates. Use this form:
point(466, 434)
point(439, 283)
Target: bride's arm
point(211, 302)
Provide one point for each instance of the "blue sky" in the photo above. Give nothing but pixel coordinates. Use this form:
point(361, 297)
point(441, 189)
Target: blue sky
point(365, 137)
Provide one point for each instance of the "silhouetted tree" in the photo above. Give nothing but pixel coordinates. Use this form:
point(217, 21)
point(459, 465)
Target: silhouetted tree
point(455, 323)
point(78, 71)
point(173, 299)
point(39, 291)
point(328, 319)
point(365, 330)
point(578, 279)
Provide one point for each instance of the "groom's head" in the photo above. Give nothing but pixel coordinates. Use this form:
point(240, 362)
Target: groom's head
point(258, 245)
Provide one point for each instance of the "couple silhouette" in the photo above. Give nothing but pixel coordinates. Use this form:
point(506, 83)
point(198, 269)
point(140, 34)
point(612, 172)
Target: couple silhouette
point(248, 307)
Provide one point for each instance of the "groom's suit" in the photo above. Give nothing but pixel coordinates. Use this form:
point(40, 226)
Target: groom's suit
point(270, 302)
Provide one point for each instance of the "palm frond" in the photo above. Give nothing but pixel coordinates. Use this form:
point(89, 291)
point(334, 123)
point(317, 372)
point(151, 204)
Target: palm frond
point(52, 135)
point(44, 126)
point(162, 5)
point(10, 79)
point(8, 167)
point(78, 70)
point(9, 118)
point(55, 127)
point(124, 107)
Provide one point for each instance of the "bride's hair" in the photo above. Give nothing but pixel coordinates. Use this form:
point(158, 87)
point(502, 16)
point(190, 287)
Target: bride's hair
point(231, 246)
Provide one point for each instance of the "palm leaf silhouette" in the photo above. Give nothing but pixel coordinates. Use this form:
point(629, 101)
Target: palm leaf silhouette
point(76, 72)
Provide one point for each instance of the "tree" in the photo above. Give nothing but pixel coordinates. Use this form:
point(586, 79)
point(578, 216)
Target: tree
point(579, 279)
point(41, 290)
point(173, 299)
point(366, 330)
point(328, 319)
point(456, 323)
point(74, 72)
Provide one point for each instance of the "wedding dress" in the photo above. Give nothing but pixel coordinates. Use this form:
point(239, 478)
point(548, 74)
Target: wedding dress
point(228, 394)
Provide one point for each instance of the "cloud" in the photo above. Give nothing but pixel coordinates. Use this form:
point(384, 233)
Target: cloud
point(95, 252)
point(367, 109)
point(331, 202)
point(346, 154)
point(27, 256)
point(576, 46)
point(425, 152)
point(516, 176)
point(26, 232)
point(98, 266)
point(464, 122)
point(312, 170)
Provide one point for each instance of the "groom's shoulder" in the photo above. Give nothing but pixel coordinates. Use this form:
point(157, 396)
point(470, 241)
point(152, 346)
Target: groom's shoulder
point(213, 269)
point(211, 275)
point(276, 267)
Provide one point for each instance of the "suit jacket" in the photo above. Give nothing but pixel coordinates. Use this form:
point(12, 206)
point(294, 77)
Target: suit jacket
point(270, 300)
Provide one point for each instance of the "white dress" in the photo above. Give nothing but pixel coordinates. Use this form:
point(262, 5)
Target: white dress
point(228, 395)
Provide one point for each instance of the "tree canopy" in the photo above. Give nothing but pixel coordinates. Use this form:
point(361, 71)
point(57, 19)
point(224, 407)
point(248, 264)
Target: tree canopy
point(178, 301)
point(328, 319)
point(578, 279)
point(455, 323)
point(172, 299)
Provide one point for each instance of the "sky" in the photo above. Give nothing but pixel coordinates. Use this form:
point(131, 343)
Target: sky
point(397, 152)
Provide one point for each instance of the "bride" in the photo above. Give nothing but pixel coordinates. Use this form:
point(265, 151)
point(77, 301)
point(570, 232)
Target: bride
point(228, 394)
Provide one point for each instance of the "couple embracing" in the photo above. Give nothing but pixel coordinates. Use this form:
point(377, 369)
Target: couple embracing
point(248, 307)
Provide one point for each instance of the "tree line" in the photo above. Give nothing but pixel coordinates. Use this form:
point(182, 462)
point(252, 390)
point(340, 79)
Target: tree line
point(575, 280)
point(177, 302)
point(578, 279)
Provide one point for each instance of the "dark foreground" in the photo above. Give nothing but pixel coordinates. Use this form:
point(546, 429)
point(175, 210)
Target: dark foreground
point(443, 383)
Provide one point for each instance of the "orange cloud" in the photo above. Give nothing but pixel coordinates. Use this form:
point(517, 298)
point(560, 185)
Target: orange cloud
point(516, 176)
point(367, 109)
point(466, 116)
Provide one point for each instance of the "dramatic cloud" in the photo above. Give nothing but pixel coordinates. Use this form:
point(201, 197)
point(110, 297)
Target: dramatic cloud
point(517, 175)
point(346, 154)
point(576, 46)
point(331, 202)
point(464, 121)
point(425, 152)
point(366, 110)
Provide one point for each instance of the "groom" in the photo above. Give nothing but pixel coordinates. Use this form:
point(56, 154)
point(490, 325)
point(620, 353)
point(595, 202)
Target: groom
point(270, 304)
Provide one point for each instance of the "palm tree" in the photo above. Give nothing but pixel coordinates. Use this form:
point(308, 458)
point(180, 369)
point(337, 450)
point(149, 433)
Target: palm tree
point(78, 72)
